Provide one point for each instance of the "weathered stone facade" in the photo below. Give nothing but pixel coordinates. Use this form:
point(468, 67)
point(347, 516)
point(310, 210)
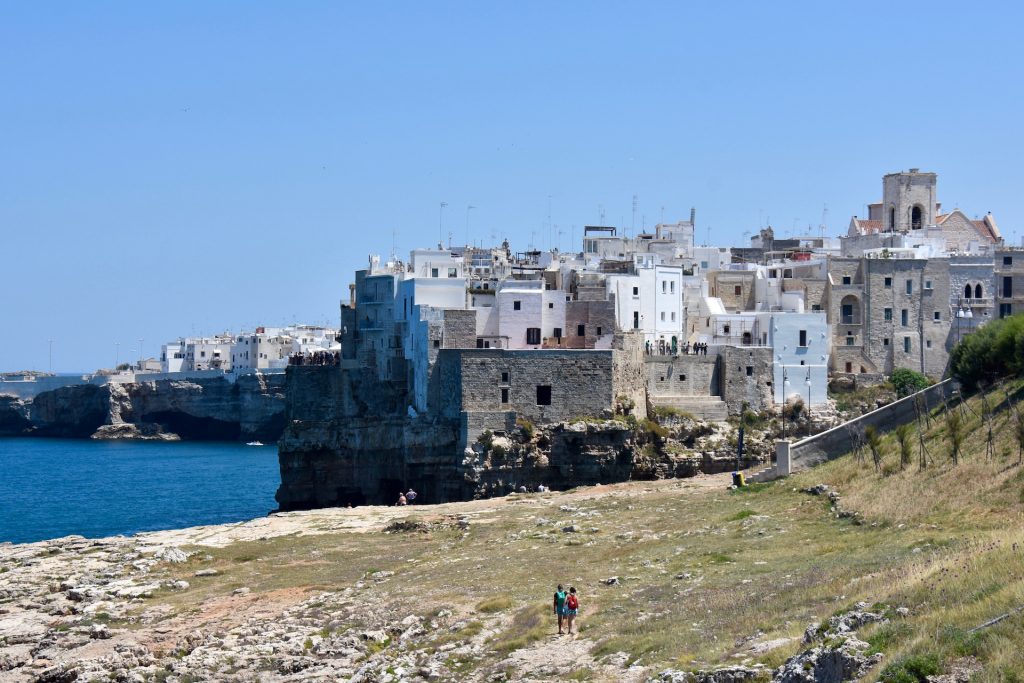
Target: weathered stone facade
point(746, 378)
point(889, 313)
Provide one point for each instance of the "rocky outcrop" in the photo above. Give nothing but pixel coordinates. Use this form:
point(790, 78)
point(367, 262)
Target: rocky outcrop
point(13, 416)
point(249, 408)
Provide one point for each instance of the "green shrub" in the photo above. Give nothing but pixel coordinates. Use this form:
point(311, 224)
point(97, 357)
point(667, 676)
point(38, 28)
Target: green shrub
point(913, 669)
point(994, 350)
point(908, 382)
point(526, 427)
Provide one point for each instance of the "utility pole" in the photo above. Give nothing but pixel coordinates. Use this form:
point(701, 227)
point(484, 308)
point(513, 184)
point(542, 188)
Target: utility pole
point(117, 354)
point(141, 355)
point(440, 226)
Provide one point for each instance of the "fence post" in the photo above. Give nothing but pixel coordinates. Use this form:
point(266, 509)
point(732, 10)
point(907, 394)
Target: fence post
point(782, 463)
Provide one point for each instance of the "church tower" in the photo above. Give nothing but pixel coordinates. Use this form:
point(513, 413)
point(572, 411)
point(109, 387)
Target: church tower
point(908, 201)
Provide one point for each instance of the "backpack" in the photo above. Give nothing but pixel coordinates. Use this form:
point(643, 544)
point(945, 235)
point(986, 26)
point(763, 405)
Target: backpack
point(572, 602)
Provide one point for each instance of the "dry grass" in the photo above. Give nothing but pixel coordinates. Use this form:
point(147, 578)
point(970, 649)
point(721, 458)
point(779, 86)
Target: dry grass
point(700, 571)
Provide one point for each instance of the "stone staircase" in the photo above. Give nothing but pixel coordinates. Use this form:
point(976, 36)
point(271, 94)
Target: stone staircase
point(707, 408)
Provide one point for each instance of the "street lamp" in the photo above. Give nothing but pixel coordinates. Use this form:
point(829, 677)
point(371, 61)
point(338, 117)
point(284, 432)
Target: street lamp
point(785, 390)
point(808, 382)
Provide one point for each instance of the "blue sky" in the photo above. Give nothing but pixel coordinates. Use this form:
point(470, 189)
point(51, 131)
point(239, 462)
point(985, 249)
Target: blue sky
point(179, 168)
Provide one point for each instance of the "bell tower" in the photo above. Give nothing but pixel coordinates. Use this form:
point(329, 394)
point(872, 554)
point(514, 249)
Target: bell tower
point(908, 200)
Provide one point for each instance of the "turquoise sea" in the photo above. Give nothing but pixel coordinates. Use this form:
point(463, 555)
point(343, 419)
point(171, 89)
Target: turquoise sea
point(56, 487)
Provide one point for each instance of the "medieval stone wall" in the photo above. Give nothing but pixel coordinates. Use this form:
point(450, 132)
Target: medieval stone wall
point(746, 378)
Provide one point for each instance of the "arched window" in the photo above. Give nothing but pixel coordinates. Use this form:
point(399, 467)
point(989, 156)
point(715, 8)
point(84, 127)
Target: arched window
point(967, 291)
point(747, 339)
point(977, 291)
point(915, 218)
point(849, 310)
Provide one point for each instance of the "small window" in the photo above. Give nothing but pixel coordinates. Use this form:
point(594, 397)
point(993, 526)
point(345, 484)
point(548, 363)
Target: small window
point(910, 286)
point(803, 337)
point(533, 335)
point(581, 330)
point(557, 333)
point(815, 307)
point(551, 305)
point(672, 287)
point(737, 290)
point(504, 395)
point(636, 291)
point(849, 340)
point(453, 272)
point(888, 315)
point(847, 280)
point(479, 343)
point(599, 332)
point(937, 316)
point(725, 329)
point(433, 272)
point(906, 344)
point(904, 318)
point(504, 378)
point(663, 316)
point(750, 371)
point(885, 342)
point(543, 394)
point(673, 316)
point(927, 284)
point(1007, 260)
point(517, 305)
point(928, 343)
point(888, 282)
point(682, 378)
point(437, 343)
point(664, 286)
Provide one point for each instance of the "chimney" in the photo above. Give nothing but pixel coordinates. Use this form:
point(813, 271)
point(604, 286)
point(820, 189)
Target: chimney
point(693, 216)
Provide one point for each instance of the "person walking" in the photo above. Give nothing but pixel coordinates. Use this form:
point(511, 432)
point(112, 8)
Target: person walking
point(572, 606)
point(559, 606)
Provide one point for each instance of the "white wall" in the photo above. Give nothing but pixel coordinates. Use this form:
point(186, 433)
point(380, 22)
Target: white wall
point(796, 361)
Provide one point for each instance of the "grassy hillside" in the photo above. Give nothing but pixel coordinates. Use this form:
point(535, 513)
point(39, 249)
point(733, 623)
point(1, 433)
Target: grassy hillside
point(706, 577)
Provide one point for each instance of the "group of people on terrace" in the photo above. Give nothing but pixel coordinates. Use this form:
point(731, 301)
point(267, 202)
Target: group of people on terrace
point(666, 348)
point(315, 358)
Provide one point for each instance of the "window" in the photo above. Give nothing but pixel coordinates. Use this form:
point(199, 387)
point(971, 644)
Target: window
point(815, 307)
point(737, 290)
point(803, 338)
point(636, 320)
point(636, 291)
point(847, 280)
point(558, 333)
point(543, 394)
point(672, 287)
point(504, 395)
point(682, 378)
point(453, 272)
point(910, 286)
point(977, 291)
point(1007, 260)
point(504, 377)
point(663, 316)
point(437, 343)
point(1005, 310)
point(581, 330)
point(927, 284)
point(885, 342)
point(664, 286)
point(533, 335)
point(551, 305)
point(599, 332)
point(725, 329)
point(849, 366)
point(433, 272)
point(928, 343)
point(888, 282)
point(906, 345)
point(937, 316)
point(704, 265)
point(479, 343)
point(904, 317)
point(750, 371)
point(888, 315)
point(849, 340)
point(673, 316)
point(1007, 287)
point(517, 305)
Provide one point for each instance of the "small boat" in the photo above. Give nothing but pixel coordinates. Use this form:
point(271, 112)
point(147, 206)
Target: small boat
point(254, 443)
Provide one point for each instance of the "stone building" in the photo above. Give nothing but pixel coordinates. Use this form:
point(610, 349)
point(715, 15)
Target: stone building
point(1009, 281)
point(889, 312)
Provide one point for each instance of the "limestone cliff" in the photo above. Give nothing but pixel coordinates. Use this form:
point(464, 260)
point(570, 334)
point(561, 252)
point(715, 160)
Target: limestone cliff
point(251, 407)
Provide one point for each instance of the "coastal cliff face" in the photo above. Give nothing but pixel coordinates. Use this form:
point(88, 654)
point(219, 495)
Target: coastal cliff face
point(345, 445)
point(251, 407)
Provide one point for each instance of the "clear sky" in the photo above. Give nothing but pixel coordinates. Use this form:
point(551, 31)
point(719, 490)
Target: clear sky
point(193, 167)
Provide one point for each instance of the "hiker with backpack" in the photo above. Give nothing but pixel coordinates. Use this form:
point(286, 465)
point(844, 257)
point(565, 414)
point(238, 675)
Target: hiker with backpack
point(572, 605)
point(561, 611)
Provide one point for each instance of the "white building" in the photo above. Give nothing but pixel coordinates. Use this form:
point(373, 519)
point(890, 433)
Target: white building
point(208, 353)
point(651, 301)
point(172, 356)
point(801, 345)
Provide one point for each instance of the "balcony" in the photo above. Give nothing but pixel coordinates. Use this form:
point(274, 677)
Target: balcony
point(849, 320)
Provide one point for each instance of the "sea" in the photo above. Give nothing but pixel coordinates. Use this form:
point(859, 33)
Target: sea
point(57, 487)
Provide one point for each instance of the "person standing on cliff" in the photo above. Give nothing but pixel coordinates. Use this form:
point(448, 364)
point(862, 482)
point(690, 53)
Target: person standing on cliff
point(411, 496)
point(559, 606)
point(401, 499)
